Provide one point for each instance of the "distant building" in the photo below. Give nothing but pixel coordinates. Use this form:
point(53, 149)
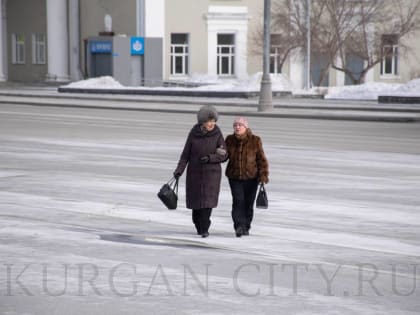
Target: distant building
point(150, 41)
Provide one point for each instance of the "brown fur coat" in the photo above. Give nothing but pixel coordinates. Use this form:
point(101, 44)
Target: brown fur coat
point(246, 158)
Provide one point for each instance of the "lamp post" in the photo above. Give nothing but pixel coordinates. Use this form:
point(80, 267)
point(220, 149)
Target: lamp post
point(137, 62)
point(266, 98)
point(308, 44)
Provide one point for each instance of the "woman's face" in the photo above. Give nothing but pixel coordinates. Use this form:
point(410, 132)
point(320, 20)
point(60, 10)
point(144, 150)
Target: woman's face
point(209, 124)
point(239, 129)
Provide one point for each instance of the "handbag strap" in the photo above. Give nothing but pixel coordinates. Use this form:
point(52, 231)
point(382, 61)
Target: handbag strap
point(174, 181)
point(176, 186)
point(262, 188)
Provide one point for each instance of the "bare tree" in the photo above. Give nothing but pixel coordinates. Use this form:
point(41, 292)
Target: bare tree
point(341, 29)
point(298, 26)
point(288, 29)
point(284, 33)
point(365, 27)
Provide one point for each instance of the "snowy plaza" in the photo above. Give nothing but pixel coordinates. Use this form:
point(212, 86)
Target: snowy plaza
point(83, 232)
point(98, 100)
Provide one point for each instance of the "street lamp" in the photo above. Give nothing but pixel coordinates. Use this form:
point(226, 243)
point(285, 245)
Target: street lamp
point(308, 44)
point(266, 98)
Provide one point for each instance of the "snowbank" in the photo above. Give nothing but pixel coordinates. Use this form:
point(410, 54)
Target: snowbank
point(105, 82)
point(412, 88)
point(367, 91)
point(371, 90)
point(251, 83)
point(206, 82)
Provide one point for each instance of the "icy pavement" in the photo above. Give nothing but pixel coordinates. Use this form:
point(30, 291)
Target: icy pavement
point(82, 231)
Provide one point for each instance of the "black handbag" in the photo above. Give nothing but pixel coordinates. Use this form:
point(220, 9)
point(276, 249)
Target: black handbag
point(262, 200)
point(169, 194)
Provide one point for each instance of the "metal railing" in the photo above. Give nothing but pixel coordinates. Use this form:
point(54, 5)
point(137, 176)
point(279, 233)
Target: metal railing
point(169, 83)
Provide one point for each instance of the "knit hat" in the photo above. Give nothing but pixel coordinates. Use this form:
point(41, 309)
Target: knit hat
point(242, 121)
point(206, 113)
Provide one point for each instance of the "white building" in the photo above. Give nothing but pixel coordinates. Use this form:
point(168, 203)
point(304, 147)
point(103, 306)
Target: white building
point(48, 40)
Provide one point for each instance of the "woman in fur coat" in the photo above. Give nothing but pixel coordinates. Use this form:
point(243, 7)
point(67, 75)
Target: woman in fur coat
point(203, 152)
point(247, 167)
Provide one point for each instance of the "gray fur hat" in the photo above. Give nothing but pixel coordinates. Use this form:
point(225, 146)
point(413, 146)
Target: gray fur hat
point(206, 113)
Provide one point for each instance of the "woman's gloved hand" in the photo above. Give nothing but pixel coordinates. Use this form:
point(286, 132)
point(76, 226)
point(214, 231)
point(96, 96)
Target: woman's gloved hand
point(205, 159)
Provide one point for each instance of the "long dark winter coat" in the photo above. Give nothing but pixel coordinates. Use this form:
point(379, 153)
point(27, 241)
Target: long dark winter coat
point(203, 180)
point(247, 159)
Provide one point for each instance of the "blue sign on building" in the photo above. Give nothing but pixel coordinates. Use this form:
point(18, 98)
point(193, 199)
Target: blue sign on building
point(100, 47)
point(137, 45)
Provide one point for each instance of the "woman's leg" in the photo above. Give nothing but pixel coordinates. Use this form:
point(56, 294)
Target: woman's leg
point(238, 204)
point(196, 220)
point(250, 187)
point(205, 221)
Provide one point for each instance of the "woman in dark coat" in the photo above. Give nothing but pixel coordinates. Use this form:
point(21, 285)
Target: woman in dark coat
point(203, 152)
point(246, 168)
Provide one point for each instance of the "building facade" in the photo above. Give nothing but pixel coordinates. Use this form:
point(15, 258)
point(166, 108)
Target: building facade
point(68, 40)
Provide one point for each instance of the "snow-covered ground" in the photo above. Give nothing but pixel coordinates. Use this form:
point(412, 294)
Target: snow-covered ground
point(367, 91)
point(78, 189)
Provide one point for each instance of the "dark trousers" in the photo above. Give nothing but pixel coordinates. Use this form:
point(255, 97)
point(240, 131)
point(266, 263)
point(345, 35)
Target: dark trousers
point(243, 197)
point(201, 219)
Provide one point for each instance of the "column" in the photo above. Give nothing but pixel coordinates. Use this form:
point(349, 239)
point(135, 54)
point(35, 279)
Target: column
point(74, 40)
point(212, 51)
point(340, 75)
point(154, 26)
point(3, 42)
point(57, 35)
point(241, 63)
point(297, 69)
point(370, 76)
point(137, 62)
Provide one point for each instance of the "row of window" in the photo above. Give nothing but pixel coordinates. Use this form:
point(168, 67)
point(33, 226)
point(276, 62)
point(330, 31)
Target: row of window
point(225, 55)
point(180, 54)
point(38, 48)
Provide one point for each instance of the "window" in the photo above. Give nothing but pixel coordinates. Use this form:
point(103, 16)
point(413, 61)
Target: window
point(38, 49)
point(389, 65)
point(179, 54)
point(225, 54)
point(18, 48)
point(275, 58)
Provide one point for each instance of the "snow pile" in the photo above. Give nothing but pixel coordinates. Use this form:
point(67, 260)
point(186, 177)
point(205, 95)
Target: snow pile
point(207, 83)
point(366, 91)
point(371, 90)
point(279, 82)
point(412, 88)
point(204, 79)
point(105, 82)
point(251, 83)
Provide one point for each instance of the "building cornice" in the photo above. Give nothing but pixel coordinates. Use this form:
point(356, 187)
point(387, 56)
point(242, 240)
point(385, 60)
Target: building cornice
point(227, 16)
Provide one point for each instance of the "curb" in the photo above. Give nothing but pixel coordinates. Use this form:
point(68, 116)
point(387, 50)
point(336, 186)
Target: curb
point(232, 103)
point(161, 92)
point(325, 116)
point(386, 99)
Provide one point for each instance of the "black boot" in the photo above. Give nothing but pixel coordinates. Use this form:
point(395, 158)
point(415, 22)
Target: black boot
point(239, 231)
